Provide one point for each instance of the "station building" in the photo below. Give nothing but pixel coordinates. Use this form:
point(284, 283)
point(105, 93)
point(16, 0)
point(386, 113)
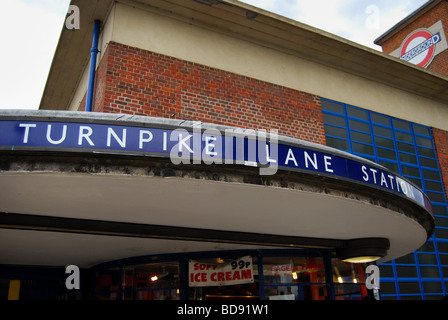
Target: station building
point(208, 149)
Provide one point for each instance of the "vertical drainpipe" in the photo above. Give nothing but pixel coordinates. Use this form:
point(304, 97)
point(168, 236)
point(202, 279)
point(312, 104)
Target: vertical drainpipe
point(93, 54)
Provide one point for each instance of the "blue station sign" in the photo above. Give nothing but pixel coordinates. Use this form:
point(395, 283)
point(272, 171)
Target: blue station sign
point(197, 145)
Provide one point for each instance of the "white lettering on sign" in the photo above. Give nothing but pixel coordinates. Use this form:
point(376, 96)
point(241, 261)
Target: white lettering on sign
point(198, 146)
point(64, 135)
point(145, 136)
point(388, 181)
point(85, 135)
point(121, 141)
point(27, 127)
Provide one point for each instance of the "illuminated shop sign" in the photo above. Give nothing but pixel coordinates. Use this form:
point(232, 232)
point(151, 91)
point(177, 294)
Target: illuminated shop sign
point(199, 146)
point(238, 271)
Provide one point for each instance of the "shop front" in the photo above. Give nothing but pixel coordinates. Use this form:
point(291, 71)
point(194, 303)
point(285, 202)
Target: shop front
point(232, 275)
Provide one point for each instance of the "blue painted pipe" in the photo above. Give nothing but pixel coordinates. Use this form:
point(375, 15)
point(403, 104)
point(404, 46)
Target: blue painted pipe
point(93, 54)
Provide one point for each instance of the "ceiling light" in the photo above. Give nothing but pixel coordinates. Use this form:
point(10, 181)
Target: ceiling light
point(363, 250)
point(361, 259)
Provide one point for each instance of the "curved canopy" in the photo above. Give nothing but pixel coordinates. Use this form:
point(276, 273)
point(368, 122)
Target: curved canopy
point(89, 193)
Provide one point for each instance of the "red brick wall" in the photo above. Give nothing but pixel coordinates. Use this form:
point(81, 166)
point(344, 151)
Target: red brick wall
point(441, 145)
point(135, 81)
point(439, 12)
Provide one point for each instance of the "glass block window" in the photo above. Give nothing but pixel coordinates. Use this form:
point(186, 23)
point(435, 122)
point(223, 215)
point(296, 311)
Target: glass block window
point(408, 149)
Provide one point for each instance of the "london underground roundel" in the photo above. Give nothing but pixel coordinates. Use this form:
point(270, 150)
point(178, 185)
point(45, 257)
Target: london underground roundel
point(418, 48)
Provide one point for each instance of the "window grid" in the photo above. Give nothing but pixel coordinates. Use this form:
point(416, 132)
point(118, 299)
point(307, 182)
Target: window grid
point(408, 149)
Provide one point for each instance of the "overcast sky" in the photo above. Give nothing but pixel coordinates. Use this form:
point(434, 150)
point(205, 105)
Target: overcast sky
point(30, 30)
